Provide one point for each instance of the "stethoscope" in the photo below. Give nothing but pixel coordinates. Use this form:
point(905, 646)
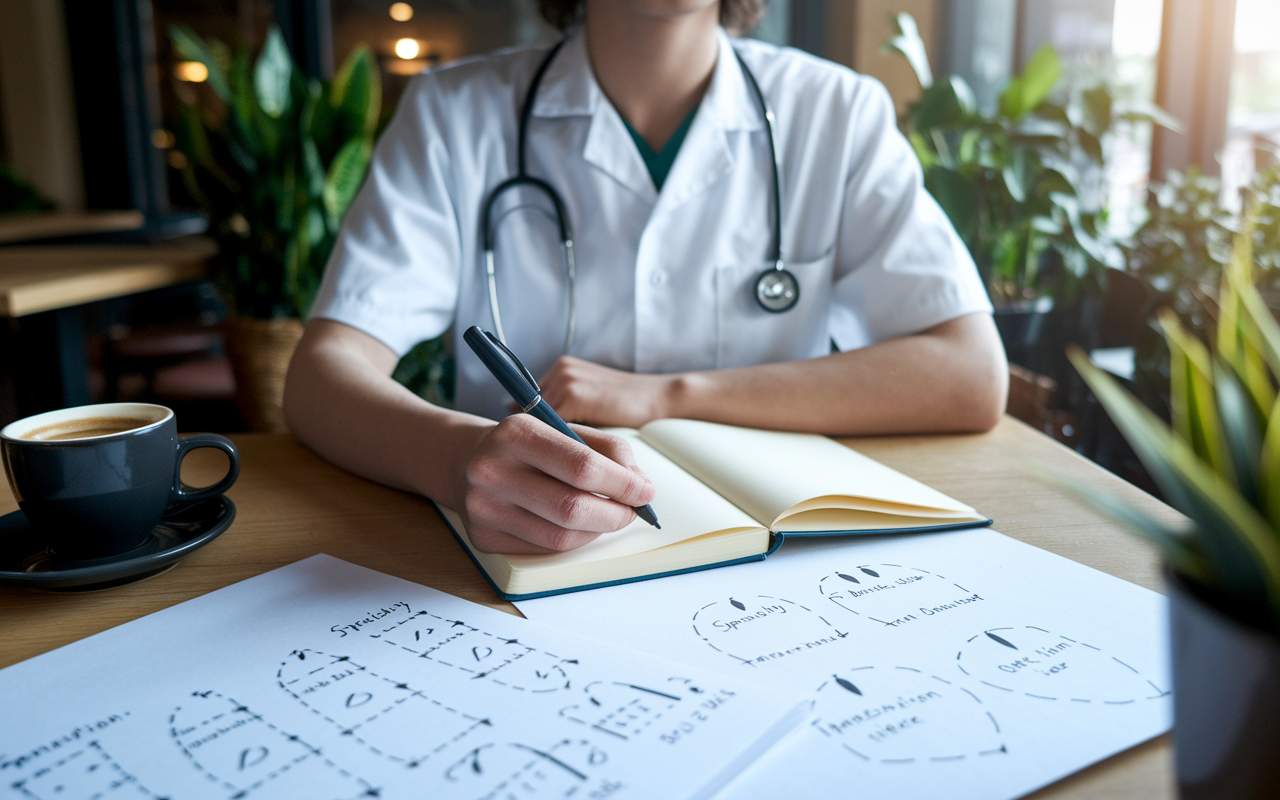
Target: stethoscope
point(776, 289)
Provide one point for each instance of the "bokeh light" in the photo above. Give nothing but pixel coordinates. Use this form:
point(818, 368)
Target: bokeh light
point(408, 48)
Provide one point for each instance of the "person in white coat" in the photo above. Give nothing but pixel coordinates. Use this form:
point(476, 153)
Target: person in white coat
point(646, 124)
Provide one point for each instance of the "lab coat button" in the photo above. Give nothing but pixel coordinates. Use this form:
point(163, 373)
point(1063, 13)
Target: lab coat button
point(658, 278)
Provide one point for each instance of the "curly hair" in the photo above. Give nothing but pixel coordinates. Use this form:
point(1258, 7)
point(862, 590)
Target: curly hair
point(737, 16)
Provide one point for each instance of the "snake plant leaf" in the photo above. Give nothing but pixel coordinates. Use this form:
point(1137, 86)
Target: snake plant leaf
point(273, 74)
point(1269, 469)
point(1028, 90)
point(1240, 432)
point(346, 173)
point(1239, 549)
point(192, 48)
point(1192, 397)
point(297, 260)
point(320, 116)
point(357, 92)
point(907, 41)
point(240, 128)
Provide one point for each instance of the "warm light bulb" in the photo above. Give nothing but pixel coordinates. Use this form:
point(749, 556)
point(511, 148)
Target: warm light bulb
point(191, 71)
point(401, 12)
point(408, 48)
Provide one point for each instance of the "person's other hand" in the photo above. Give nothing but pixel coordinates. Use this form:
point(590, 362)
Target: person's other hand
point(530, 489)
point(581, 391)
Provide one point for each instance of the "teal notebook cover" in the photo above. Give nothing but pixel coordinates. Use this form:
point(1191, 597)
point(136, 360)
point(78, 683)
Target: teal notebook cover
point(775, 542)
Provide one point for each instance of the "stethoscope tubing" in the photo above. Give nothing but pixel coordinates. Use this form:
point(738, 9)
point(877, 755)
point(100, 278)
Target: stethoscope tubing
point(776, 289)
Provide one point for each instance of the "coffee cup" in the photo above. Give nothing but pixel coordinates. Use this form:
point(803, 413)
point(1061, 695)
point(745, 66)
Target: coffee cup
point(95, 480)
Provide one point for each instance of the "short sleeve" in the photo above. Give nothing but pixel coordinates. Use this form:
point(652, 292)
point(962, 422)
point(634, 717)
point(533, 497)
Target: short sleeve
point(394, 271)
point(900, 266)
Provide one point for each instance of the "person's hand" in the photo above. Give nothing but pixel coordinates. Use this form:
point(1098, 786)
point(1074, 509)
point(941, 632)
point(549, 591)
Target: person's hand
point(581, 391)
point(530, 489)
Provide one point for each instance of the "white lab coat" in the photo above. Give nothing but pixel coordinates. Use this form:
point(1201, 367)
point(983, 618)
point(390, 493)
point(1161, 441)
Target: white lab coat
point(665, 281)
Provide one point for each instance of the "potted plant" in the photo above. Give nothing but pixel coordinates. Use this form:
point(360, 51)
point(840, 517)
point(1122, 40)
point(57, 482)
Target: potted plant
point(1179, 253)
point(1023, 183)
point(1219, 463)
point(274, 159)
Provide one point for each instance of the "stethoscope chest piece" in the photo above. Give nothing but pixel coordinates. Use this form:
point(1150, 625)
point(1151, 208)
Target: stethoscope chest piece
point(777, 290)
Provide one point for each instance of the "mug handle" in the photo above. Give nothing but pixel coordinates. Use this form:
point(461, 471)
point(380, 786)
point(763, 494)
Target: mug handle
point(181, 492)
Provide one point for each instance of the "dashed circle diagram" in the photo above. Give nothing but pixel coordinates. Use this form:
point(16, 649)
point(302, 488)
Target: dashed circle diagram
point(897, 596)
point(761, 629)
point(901, 715)
point(1037, 663)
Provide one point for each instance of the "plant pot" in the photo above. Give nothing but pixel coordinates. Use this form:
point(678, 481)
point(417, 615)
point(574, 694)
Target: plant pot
point(1226, 700)
point(260, 350)
point(1020, 324)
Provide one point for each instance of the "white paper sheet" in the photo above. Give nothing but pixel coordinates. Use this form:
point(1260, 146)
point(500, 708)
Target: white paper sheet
point(952, 665)
point(327, 680)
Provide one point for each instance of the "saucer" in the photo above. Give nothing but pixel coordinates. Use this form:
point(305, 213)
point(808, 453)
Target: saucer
point(26, 560)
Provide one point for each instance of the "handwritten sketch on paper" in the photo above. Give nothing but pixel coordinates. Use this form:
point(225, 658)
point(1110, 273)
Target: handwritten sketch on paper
point(959, 664)
point(327, 680)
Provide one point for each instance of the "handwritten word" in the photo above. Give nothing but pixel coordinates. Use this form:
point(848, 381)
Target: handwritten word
point(698, 715)
point(928, 612)
point(800, 648)
point(607, 789)
point(872, 712)
point(1019, 664)
point(71, 737)
point(732, 625)
point(372, 617)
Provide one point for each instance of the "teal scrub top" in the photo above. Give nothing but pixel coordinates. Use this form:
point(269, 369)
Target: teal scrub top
point(659, 164)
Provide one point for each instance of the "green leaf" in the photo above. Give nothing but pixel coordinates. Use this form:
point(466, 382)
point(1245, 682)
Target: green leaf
point(192, 48)
point(244, 112)
point(1239, 422)
point(272, 75)
point(1097, 106)
point(1091, 146)
point(1029, 89)
point(944, 104)
point(955, 195)
point(1241, 551)
point(357, 92)
point(909, 45)
point(1269, 469)
point(1193, 398)
point(346, 174)
point(1147, 111)
point(297, 260)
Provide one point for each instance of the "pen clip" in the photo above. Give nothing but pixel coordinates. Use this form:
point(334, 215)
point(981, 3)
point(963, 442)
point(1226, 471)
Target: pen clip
point(519, 366)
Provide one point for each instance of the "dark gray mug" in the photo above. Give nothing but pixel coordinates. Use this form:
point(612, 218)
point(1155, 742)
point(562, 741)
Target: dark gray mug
point(95, 480)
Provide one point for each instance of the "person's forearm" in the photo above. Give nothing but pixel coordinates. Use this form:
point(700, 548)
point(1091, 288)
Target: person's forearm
point(951, 379)
point(346, 409)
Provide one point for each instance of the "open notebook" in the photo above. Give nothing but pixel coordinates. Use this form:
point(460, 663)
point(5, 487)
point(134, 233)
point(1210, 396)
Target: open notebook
point(726, 495)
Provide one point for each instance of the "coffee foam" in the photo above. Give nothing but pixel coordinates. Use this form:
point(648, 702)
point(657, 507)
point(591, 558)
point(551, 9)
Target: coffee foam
point(86, 428)
point(137, 415)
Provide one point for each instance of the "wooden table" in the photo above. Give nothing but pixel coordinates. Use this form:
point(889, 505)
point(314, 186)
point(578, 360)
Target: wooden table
point(48, 224)
point(291, 505)
point(44, 289)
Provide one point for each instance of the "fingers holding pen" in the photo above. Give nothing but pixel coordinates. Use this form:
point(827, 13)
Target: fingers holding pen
point(532, 489)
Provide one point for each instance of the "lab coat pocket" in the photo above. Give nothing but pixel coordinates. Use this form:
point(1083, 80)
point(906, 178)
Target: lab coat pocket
point(748, 335)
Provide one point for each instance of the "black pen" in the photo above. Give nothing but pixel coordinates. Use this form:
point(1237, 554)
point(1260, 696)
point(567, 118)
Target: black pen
point(525, 391)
